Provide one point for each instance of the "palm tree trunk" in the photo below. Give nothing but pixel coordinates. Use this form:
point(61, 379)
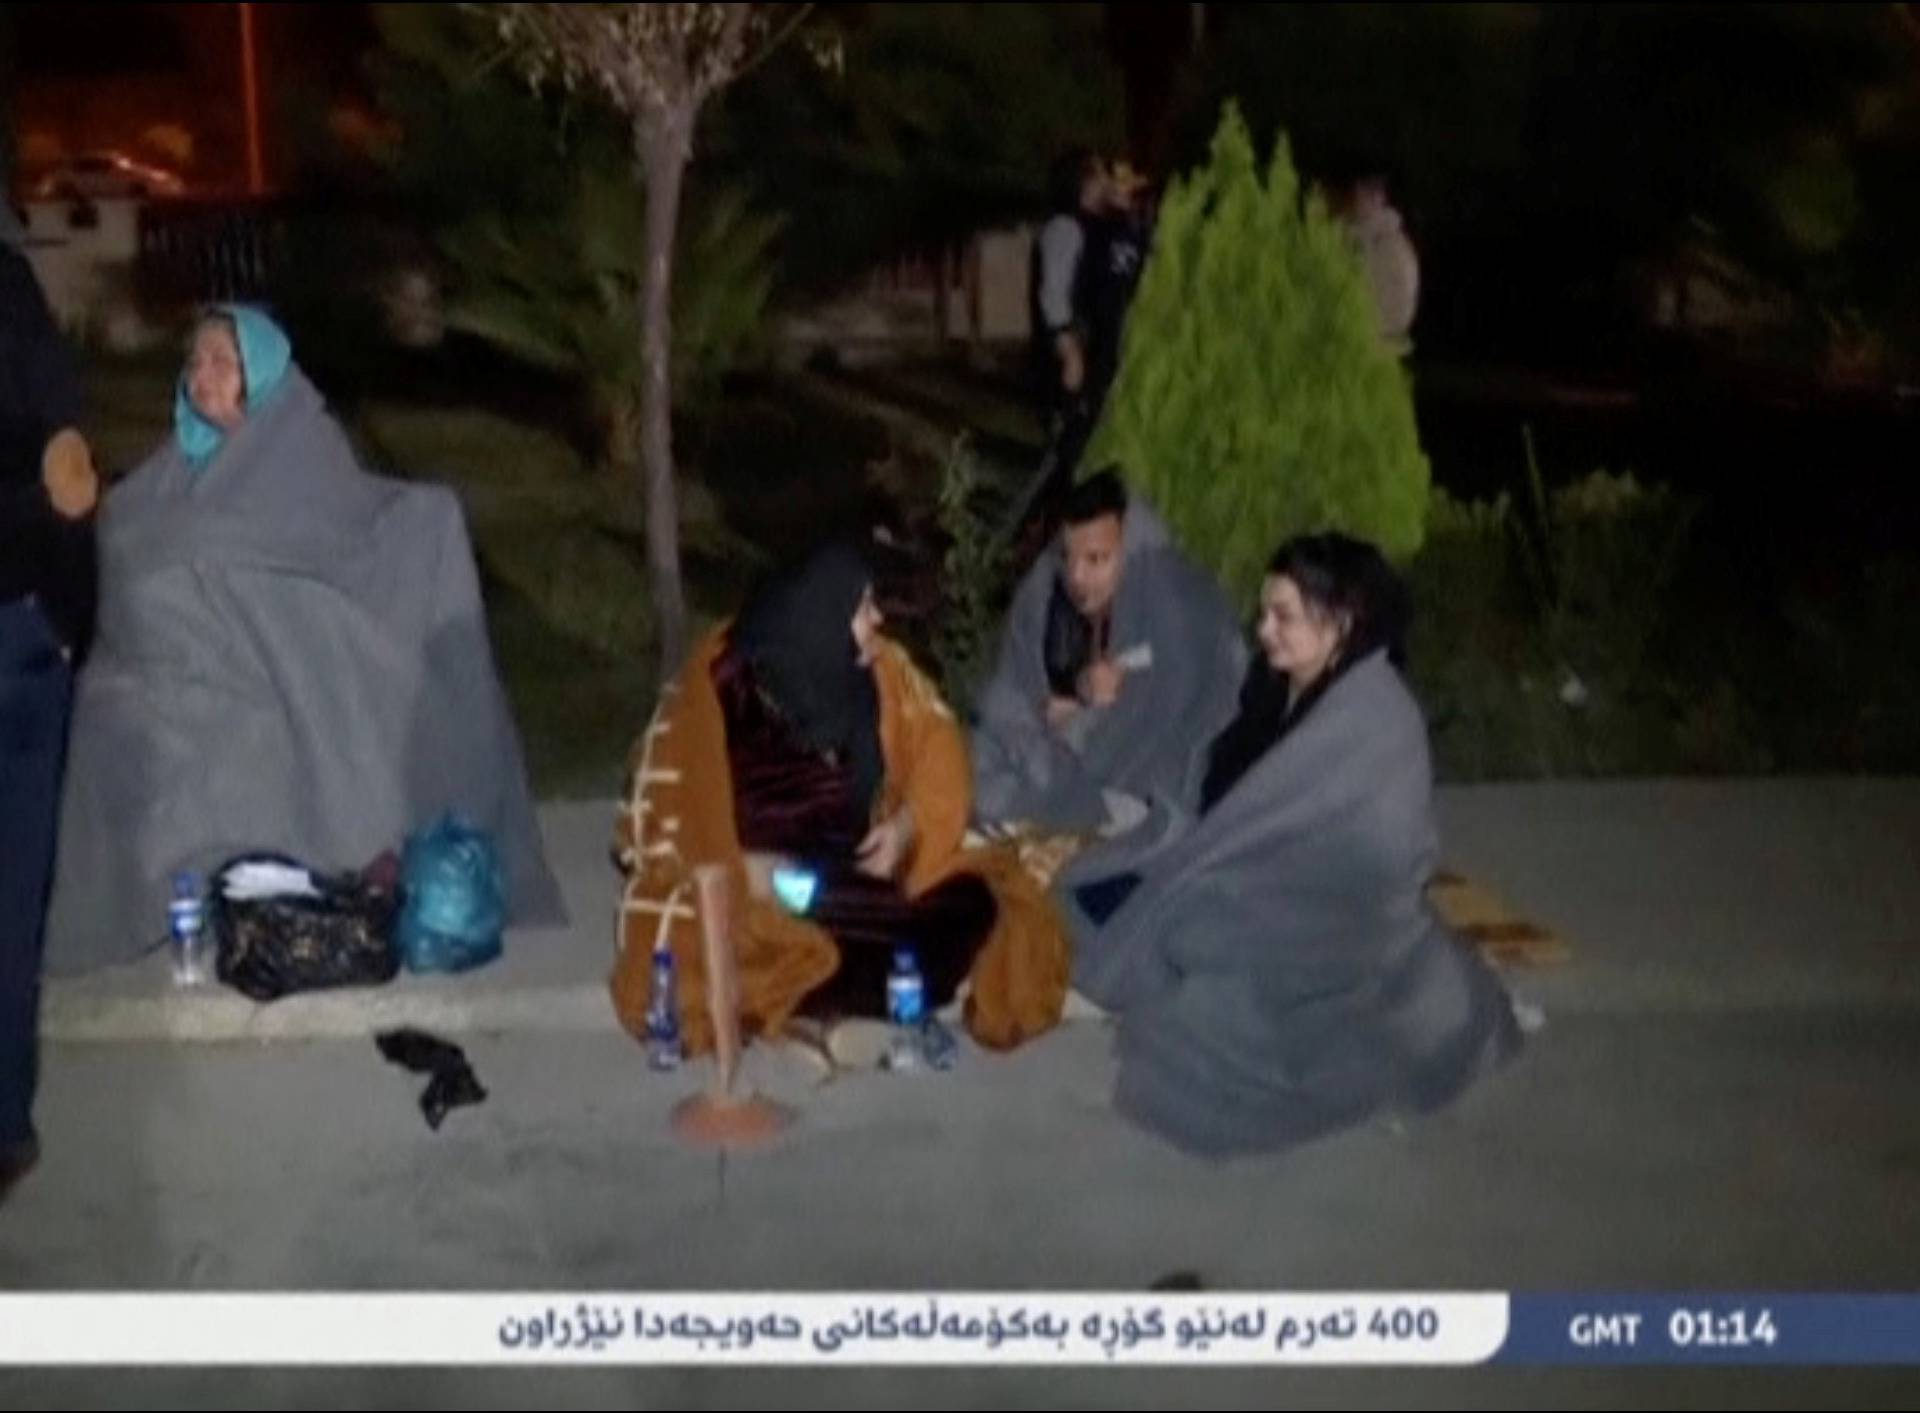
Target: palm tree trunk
point(665, 141)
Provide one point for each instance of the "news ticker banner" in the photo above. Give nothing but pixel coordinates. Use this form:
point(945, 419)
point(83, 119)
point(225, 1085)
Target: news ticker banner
point(1011, 1329)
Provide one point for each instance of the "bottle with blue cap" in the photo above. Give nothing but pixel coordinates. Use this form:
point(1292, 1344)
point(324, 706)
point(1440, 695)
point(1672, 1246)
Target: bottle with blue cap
point(665, 1047)
point(906, 1010)
point(186, 927)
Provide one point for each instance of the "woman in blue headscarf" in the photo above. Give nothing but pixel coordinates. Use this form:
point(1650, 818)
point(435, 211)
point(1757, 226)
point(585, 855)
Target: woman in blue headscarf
point(238, 360)
point(292, 656)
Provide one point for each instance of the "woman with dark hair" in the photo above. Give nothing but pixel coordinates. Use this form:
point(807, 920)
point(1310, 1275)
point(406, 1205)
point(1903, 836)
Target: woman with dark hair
point(1276, 968)
point(799, 740)
point(1329, 602)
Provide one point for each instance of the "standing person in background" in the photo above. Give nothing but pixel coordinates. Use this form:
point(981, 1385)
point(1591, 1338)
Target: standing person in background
point(1060, 318)
point(1109, 273)
point(1392, 264)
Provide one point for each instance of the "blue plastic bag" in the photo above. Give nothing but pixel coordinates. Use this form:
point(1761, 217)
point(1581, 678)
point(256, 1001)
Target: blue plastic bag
point(455, 911)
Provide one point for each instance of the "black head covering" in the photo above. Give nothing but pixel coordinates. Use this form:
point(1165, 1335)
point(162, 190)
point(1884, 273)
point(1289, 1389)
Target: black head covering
point(796, 632)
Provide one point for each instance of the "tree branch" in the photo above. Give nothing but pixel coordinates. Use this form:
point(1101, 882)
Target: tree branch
point(712, 68)
point(774, 41)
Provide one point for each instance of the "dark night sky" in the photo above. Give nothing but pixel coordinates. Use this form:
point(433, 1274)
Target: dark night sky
point(100, 75)
point(323, 44)
point(107, 40)
point(100, 41)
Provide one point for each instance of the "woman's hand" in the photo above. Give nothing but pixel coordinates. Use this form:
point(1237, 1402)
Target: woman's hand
point(883, 852)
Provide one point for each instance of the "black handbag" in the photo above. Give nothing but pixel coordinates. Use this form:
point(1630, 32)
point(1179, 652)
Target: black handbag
point(341, 935)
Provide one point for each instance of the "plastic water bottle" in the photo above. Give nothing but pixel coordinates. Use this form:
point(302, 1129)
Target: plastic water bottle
point(665, 1048)
point(907, 1010)
point(187, 926)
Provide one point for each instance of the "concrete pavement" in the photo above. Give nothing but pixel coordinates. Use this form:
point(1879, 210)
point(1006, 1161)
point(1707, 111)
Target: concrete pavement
point(1723, 1098)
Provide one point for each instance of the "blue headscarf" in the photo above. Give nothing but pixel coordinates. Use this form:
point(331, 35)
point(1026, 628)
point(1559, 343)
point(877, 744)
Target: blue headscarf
point(265, 356)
